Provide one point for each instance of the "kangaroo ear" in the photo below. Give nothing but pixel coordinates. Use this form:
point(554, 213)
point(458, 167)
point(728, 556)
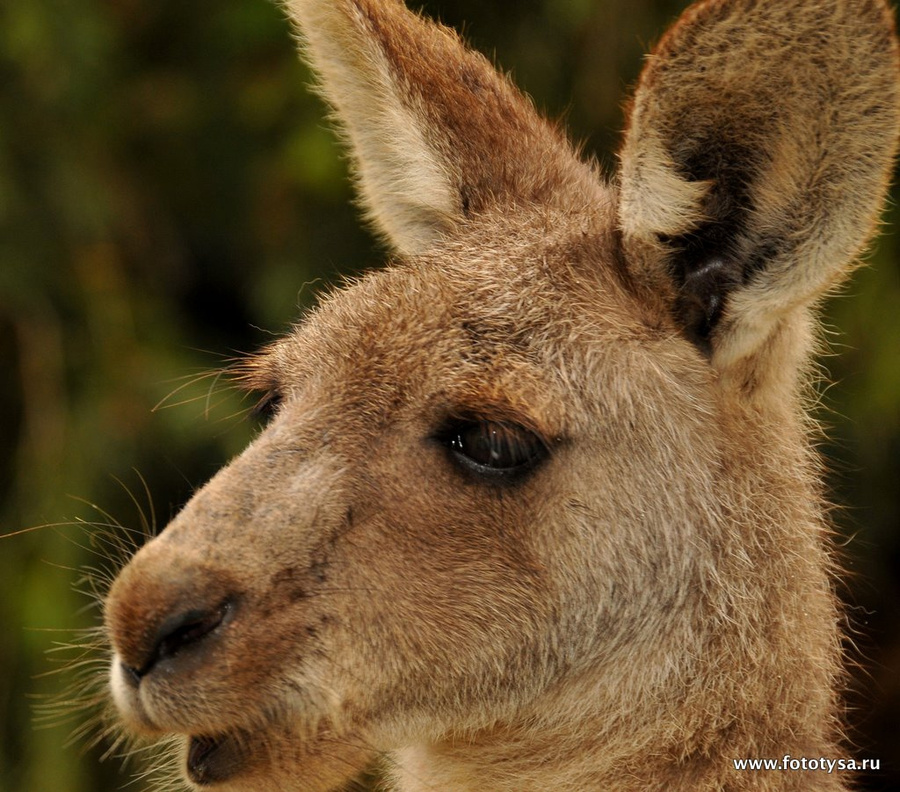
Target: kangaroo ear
point(436, 134)
point(760, 142)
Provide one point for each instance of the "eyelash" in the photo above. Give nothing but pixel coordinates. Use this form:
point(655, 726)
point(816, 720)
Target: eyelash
point(493, 450)
point(267, 405)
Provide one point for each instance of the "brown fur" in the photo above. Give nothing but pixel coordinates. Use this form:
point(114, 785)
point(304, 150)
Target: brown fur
point(652, 600)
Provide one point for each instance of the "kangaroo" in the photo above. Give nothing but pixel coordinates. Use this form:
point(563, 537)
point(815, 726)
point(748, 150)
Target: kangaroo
point(536, 507)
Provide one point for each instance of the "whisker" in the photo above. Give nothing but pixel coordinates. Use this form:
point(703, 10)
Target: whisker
point(187, 381)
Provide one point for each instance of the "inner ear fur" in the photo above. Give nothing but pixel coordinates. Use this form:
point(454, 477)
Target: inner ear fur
point(756, 160)
point(436, 134)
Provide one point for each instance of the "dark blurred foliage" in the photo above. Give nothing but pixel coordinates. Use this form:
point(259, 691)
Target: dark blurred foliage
point(170, 196)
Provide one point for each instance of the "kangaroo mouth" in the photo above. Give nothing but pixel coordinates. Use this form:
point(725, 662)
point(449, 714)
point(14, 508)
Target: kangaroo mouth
point(214, 760)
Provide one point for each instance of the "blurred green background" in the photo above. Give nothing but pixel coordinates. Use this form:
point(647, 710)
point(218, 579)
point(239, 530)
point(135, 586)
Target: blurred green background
point(170, 197)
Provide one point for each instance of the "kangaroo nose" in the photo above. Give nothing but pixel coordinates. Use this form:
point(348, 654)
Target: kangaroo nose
point(176, 633)
point(162, 607)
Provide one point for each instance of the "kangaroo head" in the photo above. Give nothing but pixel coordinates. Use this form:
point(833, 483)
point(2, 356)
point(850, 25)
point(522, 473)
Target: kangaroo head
point(535, 504)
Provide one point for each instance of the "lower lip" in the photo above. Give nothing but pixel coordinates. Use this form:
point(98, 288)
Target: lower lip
point(212, 760)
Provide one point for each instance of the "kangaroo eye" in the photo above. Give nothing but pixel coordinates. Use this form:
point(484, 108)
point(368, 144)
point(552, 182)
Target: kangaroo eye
point(267, 406)
point(493, 449)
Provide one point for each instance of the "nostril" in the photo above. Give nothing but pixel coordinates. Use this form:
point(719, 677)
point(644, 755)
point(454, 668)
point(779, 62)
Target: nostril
point(179, 631)
point(132, 676)
point(187, 628)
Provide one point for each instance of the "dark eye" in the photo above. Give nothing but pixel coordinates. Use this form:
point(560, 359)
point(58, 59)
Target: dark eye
point(494, 449)
point(267, 406)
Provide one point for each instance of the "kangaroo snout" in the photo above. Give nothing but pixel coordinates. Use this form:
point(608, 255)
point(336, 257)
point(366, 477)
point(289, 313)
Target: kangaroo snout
point(164, 613)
